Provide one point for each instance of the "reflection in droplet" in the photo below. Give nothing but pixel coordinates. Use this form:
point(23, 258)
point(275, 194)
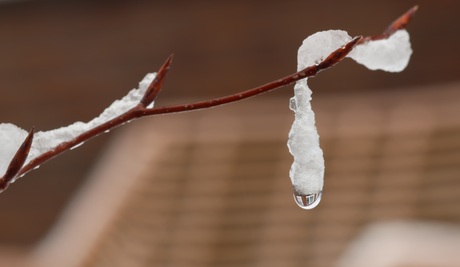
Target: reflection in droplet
point(308, 202)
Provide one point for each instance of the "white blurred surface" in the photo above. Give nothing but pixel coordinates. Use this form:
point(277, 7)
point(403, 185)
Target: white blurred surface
point(405, 243)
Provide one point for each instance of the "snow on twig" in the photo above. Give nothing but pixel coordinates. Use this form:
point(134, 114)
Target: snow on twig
point(37, 148)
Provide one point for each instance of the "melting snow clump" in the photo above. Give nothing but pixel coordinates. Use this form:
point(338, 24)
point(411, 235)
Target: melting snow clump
point(390, 54)
point(11, 136)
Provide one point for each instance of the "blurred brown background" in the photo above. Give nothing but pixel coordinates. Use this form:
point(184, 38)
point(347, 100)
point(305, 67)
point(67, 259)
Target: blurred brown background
point(64, 61)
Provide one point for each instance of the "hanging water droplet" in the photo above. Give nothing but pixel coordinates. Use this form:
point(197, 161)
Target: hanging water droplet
point(308, 202)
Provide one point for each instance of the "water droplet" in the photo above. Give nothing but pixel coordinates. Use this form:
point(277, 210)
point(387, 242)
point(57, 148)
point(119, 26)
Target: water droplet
point(77, 145)
point(308, 202)
point(292, 104)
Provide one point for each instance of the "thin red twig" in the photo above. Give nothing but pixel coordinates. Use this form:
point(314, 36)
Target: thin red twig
point(334, 58)
point(16, 167)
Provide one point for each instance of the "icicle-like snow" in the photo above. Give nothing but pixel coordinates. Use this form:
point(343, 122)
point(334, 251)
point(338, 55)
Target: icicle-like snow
point(307, 171)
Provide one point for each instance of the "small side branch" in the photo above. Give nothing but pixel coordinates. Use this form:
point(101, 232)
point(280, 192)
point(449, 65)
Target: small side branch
point(155, 87)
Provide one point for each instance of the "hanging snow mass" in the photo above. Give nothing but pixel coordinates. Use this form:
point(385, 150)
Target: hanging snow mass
point(307, 171)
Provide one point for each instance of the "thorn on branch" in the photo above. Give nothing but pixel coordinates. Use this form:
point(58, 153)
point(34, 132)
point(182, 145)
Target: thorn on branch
point(155, 87)
point(18, 161)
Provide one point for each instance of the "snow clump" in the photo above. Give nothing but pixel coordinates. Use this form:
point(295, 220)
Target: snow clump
point(391, 54)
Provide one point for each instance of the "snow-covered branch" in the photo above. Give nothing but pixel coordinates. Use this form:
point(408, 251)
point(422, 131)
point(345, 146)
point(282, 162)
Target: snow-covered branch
point(21, 152)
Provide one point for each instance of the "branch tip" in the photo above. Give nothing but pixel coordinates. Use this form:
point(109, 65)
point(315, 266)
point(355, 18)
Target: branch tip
point(157, 83)
point(401, 22)
point(398, 24)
